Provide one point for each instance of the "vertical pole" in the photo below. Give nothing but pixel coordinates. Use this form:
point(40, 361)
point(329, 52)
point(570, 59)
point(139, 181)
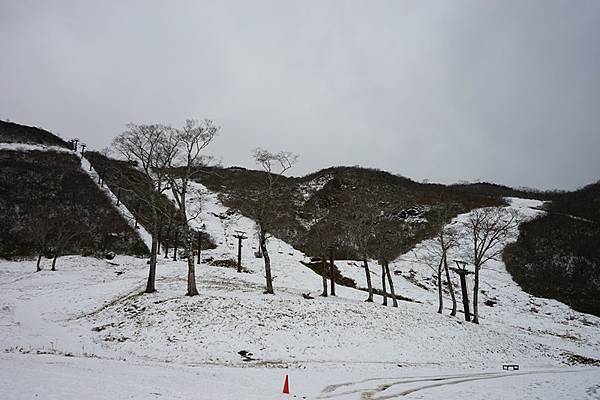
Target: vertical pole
point(331, 272)
point(465, 295)
point(239, 266)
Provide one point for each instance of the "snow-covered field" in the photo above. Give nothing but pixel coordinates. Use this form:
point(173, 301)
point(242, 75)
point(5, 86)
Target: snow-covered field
point(86, 331)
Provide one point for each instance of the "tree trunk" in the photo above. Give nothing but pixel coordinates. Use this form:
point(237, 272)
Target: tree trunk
point(54, 262)
point(331, 273)
point(369, 284)
point(166, 241)
point(324, 276)
point(265, 253)
point(38, 269)
point(450, 286)
point(159, 240)
point(175, 245)
point(150, 288)
point(439, 285)
point(191, 284)
point(383, 285)
point(476, 296)
point(389, 276)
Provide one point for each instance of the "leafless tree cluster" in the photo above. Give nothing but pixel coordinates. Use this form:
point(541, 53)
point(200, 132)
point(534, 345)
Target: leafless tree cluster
point(360, 238)
point(447, 239)
point(483, 235)
point(322, 236)
point(385, 247)
point(168, 158)
point(369, 234)
point(54, 230)
point(152, 149)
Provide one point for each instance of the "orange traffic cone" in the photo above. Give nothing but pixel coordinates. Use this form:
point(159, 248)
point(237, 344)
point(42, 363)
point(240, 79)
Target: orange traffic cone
point(286, 386)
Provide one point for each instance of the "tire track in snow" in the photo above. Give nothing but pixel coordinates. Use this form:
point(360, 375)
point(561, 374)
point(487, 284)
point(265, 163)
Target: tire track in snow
point(435, 381)
point(593, 392)
point(403, 380)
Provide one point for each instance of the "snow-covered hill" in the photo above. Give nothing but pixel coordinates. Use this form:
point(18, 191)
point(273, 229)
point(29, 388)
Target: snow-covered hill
point(93, 311)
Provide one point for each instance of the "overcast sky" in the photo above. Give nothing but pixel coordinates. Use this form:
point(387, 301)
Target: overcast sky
point(503, 91)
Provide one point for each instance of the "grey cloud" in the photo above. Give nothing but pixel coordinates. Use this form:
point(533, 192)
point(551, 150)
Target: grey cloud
point(504, 91)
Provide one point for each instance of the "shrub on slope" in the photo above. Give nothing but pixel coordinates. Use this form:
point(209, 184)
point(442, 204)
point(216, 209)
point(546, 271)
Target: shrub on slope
point(45, 180)
point(326, 205)
point(558, 255)
point(131, 187)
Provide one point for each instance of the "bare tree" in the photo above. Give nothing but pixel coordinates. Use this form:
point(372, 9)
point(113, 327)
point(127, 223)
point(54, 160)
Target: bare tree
point(436, 257)
point(37, 225)
point(387, 241)
point(319, 234)
point(386, 264)
point(275, 165)
point(152, 149)
point(451, 239)
point(359, 236)
point(325, 235)
point(383, 250)
point(67, 230)
point(383, 288)
point(54, 230)
point(369, 283)
point(192, 139)
point(488, 229)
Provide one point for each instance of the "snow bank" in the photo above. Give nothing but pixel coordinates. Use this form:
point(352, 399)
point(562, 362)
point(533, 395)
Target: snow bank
point(33, 147)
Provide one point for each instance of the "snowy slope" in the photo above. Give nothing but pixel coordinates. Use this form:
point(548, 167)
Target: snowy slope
point(94, 308)
point(123, 210)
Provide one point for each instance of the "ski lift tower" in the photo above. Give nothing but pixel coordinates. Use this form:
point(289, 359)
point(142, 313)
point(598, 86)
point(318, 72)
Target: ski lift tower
point(201, 231)
point(240, 235)
point(462, 271)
